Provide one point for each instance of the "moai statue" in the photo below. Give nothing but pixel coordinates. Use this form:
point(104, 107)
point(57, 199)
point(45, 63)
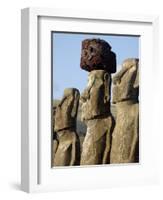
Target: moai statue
point(67, 151)
point(125, 137)
point(98, 59)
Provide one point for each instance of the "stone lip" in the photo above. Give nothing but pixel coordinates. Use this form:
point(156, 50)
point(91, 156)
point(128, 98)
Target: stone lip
point(97, 55)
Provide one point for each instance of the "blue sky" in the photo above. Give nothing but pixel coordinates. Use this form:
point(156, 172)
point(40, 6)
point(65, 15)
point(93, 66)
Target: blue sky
point(66, 58)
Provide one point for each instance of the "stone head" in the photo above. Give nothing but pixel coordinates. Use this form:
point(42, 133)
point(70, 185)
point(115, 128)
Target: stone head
point(126, 81)
point(95, 99)
point(66, 111)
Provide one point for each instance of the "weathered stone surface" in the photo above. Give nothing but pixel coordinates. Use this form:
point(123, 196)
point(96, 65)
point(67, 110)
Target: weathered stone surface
point(66, 148)
point(54, 149)
point(66, 110)
point(126, 82)
point(96, 113)
point(67, 151)
point(95, 99)
point(54, 145)
point(125, 95)
point(97, 54)
point(96, 145)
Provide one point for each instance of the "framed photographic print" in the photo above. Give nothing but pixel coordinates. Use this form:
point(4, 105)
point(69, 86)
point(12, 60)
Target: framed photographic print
point(88, 113)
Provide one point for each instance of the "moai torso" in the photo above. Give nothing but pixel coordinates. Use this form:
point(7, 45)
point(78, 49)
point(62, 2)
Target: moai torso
point(124, 147)
point(67, 149)
point(96, 145)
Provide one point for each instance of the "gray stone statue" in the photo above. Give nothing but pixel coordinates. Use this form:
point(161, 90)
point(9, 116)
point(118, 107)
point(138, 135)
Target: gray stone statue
point(66, 110)
point(96, 113)
point(66, 148)
point(125, 137)
point(96, 97)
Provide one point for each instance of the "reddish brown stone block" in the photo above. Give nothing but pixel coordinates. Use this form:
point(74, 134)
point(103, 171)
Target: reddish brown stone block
point(96, 54)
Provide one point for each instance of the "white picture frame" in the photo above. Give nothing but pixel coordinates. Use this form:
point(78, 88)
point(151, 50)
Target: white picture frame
point(36, 171)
